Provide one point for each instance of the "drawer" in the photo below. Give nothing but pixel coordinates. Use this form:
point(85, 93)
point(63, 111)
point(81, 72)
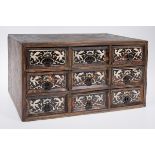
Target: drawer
point(126, 97)
point(46, 105)
point(127, 76)
point(46, 57)
point(89, 101)
point(90, 79)
point(90, 55)
point(46, 82)
point(127, 55)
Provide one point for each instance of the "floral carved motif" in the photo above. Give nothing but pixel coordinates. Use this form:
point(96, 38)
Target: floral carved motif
point(123, 55)
point(88, 56)
point(47, 57)
point(126, 97)
point(89, 102)
point(43, 105)
point(89, 78)
point(53, 80)
point(127, 76)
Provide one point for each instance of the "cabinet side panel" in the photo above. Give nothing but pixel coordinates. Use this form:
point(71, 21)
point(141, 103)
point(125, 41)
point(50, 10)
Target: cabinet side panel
point(146, 65)
point(15, 73)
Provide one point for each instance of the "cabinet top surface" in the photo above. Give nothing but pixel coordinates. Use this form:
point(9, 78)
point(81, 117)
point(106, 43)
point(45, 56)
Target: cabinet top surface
point(71, 38)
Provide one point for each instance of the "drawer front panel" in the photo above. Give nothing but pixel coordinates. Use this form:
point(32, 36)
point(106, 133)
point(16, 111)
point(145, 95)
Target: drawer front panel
point(128, 55)
point(46, 82)
point(43, 105)
point(127, 76)
point(46, 57)
point(89, 101)
point(125, 97)
point(90, 55)
point(88, 79)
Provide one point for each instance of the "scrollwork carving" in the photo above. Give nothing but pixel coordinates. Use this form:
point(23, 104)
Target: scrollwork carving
point(43, 105)
point(47, 57)
point(89, 56)
point(47, 82)
point(89, 102)
point(127, 75)
point(89, 78)
point(127, 55)
point(126, 96)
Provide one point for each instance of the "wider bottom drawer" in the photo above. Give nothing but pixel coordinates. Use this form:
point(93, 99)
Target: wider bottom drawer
point(46, 105)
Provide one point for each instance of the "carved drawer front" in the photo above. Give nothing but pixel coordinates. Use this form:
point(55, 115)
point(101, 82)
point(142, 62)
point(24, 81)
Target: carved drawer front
point(46, 82)
point(90, 55)
point(89, 79)
point(128, 55)
point(46, 104)
point(125, 97)
point(46, 57)
point(127, 76)
point(89, 101)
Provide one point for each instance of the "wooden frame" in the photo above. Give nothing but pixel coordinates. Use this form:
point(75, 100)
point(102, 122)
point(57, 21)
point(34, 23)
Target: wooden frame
point(19, 70)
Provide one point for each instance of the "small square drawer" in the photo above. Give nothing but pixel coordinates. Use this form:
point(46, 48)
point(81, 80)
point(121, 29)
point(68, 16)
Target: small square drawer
point(126, 97)
point(46, 82)
point(127, 55)
point(90, 55)
point(46, 104)
point(127, 76)
point(46, 57)
point(89, 101)
point(90, 79)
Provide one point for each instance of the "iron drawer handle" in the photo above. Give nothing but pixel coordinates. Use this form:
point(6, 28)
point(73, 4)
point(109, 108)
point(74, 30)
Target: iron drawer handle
point(130, 56)
point(88, 105)
point(127, 79)
point(88, 81)
point(89, 59)
point(47, 61)
point(47, 108)
point(126, 99)
point(47, 85)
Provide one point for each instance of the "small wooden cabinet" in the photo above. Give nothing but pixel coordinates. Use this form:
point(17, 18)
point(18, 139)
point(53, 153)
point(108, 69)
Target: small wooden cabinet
point(56, 75)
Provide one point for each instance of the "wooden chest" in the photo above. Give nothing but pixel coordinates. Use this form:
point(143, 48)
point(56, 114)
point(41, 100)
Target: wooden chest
point(57, 75)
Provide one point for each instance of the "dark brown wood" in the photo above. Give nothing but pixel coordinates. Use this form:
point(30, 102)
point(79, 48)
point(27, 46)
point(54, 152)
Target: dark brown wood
point(15, 73)
point(44, 99)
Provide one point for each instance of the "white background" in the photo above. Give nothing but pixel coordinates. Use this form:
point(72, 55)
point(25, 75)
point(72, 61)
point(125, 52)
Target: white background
point(78, 13)
point(135, 118)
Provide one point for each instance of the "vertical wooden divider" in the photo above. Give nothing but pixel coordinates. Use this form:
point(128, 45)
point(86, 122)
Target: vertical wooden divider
point(110, 75)
point(69, 87)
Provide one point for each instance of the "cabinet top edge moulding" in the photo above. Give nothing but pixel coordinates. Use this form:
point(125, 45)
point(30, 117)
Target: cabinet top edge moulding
point(73, 39)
